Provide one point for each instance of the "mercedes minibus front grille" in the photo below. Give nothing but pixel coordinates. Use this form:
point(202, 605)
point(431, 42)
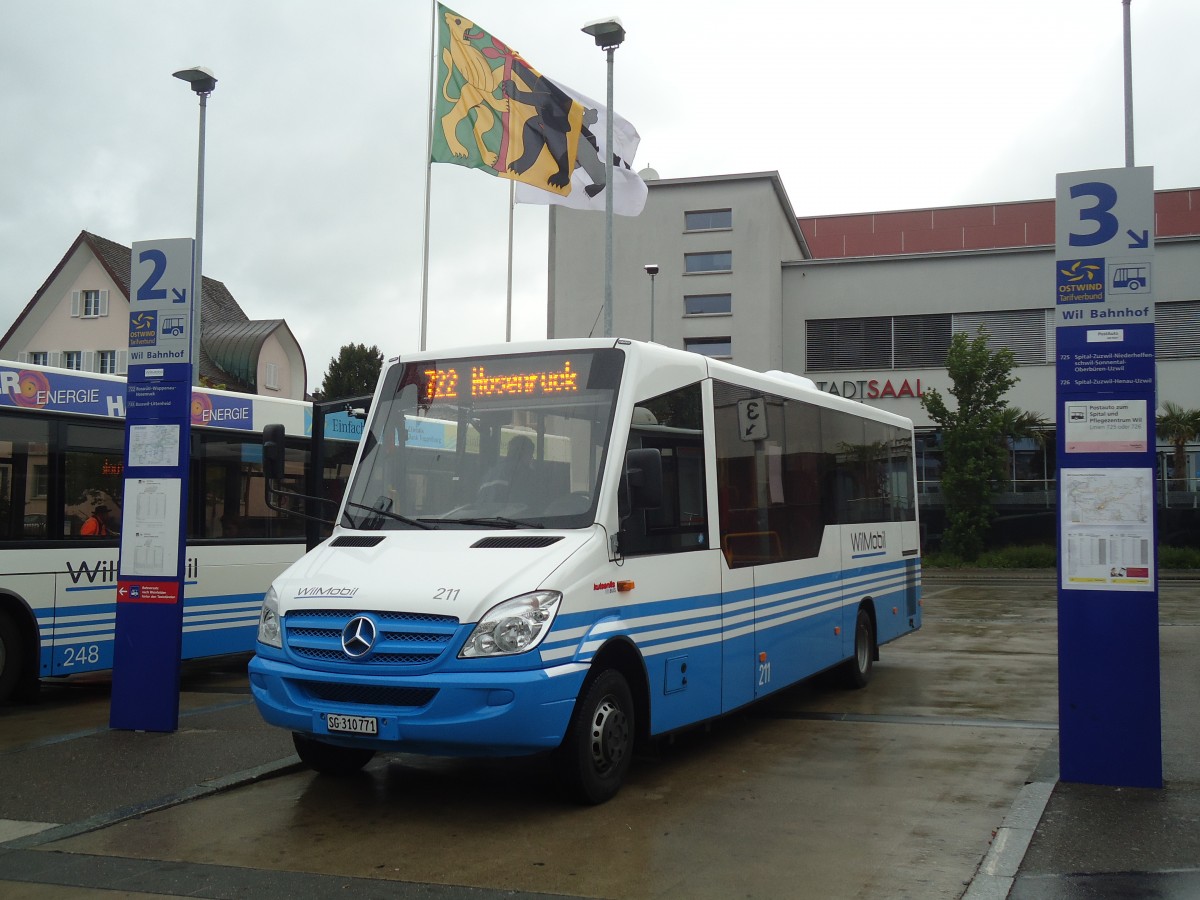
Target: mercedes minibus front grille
point(401, 639)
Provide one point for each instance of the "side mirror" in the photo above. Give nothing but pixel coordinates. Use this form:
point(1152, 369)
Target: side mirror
point(273, 452)
point(644, 478)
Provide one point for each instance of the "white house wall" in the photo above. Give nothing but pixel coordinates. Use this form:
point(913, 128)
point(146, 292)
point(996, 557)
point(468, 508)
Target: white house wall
point(50, 325)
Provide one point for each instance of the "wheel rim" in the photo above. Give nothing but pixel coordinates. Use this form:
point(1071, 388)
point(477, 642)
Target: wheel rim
point(609, 735)
point(863, 647)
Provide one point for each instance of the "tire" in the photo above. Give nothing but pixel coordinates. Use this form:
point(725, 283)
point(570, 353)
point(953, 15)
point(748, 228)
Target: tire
point(11, 657)
point(330, 759)
point(856, 671)
point(598, 747)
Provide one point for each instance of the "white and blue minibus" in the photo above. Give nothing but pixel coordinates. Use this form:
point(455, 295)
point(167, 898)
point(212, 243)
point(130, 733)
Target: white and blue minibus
point(62, 439)
point(569, 546)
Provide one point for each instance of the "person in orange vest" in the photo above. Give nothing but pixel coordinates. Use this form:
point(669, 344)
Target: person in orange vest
point(95, 526)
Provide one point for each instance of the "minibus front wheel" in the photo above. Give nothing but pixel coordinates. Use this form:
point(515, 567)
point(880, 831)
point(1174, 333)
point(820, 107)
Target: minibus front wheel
point(598, 747)
point(330, 759)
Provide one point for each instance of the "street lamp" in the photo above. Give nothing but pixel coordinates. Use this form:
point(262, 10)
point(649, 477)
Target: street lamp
point(609, 34)
point(651, 270)
point(203, 82)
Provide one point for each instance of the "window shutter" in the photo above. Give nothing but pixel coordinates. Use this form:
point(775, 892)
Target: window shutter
point(1175, 332)
point(54, 359)
point(122, 362)
point(1023, 331)
point(104, 303)
point(74, 304)
point(88, 361)
point(22, 357)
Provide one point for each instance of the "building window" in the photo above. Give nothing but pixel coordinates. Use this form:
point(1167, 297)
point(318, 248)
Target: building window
point(1175, 332)
point(73, 359)
point(708, 304)
point(41, 480)
point(702, 263)
point(711, 346)
point(919, 342)
point(846, 344)
point(89, 304)
point(107, 360)
point(39, 358)
point(272, 377)
point(1022, 331)
point(708, 220)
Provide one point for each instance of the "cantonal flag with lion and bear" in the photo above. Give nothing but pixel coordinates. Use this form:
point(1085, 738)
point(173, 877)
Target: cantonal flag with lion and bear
point(494, 111)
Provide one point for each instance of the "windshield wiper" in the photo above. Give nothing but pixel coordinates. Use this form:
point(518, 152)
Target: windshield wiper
point(495, 522)
point(383, 509)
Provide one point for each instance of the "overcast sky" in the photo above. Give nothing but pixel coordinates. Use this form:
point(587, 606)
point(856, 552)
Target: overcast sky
point(316, 133)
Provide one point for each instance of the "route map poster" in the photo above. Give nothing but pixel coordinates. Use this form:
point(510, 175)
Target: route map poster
point(1108, 529)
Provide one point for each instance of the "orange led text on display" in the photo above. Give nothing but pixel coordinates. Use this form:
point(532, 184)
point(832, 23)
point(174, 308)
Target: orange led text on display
point(443, 383)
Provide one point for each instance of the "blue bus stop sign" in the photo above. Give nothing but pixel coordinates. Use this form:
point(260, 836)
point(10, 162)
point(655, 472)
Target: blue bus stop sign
point(150, 578)
point(1110, 724)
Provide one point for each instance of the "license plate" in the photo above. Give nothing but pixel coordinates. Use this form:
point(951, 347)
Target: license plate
point(352, 724)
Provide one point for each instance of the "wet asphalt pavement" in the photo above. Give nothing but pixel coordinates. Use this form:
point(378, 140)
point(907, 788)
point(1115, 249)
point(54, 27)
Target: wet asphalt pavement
point(938, 780)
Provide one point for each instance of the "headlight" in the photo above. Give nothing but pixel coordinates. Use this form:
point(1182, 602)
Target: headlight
point(513, 626)
point(269, 631)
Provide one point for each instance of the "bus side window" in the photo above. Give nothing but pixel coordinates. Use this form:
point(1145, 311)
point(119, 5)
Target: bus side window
point(672, 423)
point(26, 481)
point(95, 469)
point(772, 487)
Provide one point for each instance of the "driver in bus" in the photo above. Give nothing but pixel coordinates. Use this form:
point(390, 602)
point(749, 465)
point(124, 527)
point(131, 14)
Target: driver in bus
point(512, 478)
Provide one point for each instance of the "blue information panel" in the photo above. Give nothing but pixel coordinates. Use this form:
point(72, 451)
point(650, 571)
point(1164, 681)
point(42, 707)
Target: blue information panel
point(1109, 704)
point(158, 410)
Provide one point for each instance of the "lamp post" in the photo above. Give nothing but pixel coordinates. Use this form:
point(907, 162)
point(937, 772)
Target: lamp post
point(651, 270)
point(1128, 54)
point(203, 82)
point(609, 34)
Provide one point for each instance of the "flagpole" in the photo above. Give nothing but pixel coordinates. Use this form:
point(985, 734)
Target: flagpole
point(608, 203)
point(428, 174)
point(512, 202)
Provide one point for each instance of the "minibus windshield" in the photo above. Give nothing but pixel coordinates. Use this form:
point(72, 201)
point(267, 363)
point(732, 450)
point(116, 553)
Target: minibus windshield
point(498, 441)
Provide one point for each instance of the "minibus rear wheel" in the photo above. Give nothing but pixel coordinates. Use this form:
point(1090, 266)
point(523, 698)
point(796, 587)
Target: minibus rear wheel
point(329, 759)
point(598, 747)
point(856, 671)
point(11, 658)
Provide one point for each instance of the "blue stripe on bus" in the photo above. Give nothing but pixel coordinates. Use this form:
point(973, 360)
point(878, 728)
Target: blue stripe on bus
point(705, 621)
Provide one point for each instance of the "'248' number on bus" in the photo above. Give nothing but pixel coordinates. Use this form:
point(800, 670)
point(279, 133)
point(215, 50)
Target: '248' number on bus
point(83, 655)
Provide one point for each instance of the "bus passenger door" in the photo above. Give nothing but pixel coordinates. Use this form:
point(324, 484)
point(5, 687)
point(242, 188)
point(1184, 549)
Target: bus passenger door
point(675, 571)
point(740, 669)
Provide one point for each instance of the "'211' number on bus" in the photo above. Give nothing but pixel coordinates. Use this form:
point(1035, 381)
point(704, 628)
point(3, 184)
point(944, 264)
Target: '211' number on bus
point(764, 674)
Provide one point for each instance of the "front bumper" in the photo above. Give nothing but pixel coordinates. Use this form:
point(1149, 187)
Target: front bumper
point(485, 713)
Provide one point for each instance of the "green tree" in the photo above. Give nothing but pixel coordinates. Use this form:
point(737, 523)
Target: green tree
point(352, 373)
point(974, 451)
point(1179, 426)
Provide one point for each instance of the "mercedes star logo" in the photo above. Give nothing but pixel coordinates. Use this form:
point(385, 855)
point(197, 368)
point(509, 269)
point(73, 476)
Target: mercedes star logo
point(358, 637)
